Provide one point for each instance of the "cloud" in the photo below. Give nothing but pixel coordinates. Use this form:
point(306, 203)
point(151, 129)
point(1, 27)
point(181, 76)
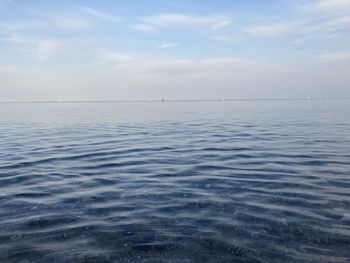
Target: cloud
point(228, 38)
point(325, 6)
point(336, 56)
point(332, 4)
point(7, 1)
point(170, 67)
point(213, 22)
point(48, 48)
point(197, 67)
point(8, 70)
point(70, 23)
point(341, 22)
point(271, 30)
point(10, 27)
point(99, 14)
point(143, 28)
point(45, 48)
point(221, 25)
point(116, 58)
point(168, 45)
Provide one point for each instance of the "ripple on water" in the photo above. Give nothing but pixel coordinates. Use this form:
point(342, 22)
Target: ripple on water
point(179, 193)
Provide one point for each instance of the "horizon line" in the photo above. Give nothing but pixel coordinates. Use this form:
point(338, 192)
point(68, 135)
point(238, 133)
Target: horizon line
point(180, 100)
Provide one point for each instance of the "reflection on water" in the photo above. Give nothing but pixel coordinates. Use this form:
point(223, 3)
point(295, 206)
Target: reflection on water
point(175, 182)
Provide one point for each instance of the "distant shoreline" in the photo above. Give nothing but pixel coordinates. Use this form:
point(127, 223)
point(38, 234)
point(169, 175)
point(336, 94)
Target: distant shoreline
point(176, 100)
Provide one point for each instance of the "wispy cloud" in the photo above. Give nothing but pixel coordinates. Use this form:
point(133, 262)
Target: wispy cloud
point(332, 4)
point(160, 66)
point(113, 57)
point(342, 22)
point(336, 56)
point(7, 1)
point(324, 6)
point(228, 38)
point(99, 14)
point(8, 70)
point(143, 28)
point(8, 27)
point(48, 48)
point(221, 25)
point(271, 30)
point(70, 23)
point(45, 48)
point(168, 45)
point(213, 22)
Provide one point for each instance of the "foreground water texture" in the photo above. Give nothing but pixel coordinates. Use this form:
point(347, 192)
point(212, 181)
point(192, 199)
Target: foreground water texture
point(263, 181)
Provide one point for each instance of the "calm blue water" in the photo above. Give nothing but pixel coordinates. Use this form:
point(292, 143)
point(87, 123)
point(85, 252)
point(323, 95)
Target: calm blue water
point(259, 181)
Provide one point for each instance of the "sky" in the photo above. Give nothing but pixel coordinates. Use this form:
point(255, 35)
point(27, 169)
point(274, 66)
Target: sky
point(173, 49)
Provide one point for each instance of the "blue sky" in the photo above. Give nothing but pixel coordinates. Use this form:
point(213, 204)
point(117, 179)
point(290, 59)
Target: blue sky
point(97, 50)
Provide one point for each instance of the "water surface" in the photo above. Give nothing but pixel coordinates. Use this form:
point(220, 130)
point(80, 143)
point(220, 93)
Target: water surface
point(259, 181)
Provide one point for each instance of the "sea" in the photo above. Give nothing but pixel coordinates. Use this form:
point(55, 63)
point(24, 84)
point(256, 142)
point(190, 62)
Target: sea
point(175, 181)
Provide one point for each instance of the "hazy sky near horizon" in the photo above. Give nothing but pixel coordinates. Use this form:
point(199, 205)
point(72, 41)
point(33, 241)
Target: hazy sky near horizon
point(176, 49)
